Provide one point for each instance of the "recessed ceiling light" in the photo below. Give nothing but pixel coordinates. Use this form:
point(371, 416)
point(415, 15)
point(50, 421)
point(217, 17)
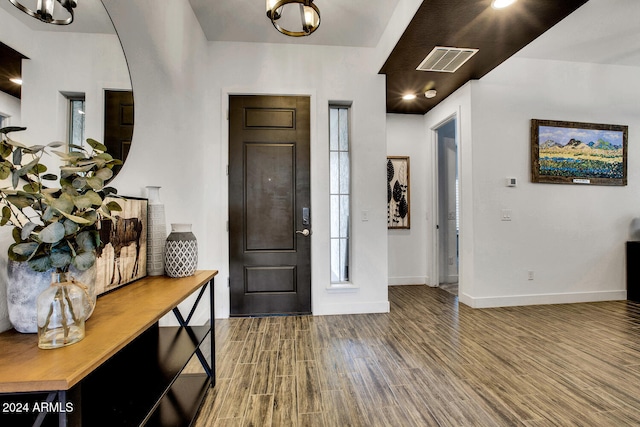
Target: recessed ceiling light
point(409, 97)
point(16, 81)
point(501, 4)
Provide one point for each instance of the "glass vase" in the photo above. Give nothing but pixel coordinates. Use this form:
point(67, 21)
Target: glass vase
point(61, 312)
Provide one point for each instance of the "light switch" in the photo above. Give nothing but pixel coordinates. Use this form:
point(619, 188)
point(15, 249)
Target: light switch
point(506, 215)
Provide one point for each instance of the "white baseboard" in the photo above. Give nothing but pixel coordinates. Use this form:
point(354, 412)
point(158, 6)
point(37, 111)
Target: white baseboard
point(541, 299)
point(353, 308)
point(408, 280)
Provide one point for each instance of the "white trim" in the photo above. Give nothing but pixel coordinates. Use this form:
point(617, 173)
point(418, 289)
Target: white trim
point(408, 280)
point(354, 308)
point(541, 299)
point(338, 288)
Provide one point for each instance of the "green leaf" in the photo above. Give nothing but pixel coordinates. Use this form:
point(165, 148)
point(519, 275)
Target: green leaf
point(38, 169)
point(20, 202)
point(109, 190)
point(63, 204)
point(14, 256)
point(15, 233)
point(48, 214)
point(77, 219)
point(82, 202)
point(96, 145)
point(56, 144)
point(15, 178)
point(60, 259)
point(79, 182)
point(85, 241)
point(7, 129)
point(27, 168)
point(95, 182)
point(17, 157)
point(114, 206)
point(34, 149)
point(6, 215)
point(32, 188)
point(25, 249)
point(41, 263)
point(70, 227)
point(52, 233)
point(27, 229)
point(104, 174)
point(5, 170)
point(50, 177)
point(83, 261)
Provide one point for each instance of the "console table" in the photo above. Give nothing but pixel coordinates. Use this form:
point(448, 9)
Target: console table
point(127, 370)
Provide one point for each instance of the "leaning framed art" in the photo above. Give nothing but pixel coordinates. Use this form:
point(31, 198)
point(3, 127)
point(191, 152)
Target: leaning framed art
point(398, 204)
point(123, 258)
point(578, 153)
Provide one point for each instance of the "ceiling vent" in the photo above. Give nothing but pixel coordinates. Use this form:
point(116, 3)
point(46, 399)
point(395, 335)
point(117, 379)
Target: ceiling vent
point(446, 59)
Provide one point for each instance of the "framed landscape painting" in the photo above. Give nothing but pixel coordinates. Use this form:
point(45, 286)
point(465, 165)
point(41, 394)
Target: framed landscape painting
point(578, 153)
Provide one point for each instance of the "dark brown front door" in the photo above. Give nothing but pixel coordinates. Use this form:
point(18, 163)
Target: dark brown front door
point(269, 205)
point(118, 122)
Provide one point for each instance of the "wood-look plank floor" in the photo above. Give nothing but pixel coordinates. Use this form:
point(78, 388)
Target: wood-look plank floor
point(431, 362)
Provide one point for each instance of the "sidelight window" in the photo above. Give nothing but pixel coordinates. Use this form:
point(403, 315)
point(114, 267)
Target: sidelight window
point(76, 120)
point(340, 192)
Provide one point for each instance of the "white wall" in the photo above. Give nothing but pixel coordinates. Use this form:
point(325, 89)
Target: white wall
point(10, 108)
point(407, 258)
point(571, 236)
point(326, 74)
point(181, 100)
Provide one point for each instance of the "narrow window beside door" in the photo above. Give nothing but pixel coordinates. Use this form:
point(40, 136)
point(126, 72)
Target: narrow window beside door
point(340, 175)
point(76, 122)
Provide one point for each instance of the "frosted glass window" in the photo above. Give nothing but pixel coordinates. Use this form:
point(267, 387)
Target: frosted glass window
point(340, 192)
point(76, 123)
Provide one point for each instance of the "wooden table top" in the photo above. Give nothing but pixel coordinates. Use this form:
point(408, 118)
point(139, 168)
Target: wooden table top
point(119, 317)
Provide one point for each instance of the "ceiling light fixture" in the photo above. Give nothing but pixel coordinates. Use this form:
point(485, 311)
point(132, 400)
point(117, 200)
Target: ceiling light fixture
point(501, 4)
point(16, 80)
point(309, 16)
point(431, 93)
point(46, 11)
point(409, 97)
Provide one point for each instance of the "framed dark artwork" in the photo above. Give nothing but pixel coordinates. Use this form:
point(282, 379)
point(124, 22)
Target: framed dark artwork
point(398, 207)
point(123, 258)
point(578, 153)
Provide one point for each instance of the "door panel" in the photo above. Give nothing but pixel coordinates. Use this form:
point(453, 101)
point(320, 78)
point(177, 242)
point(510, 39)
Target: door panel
point(269, 201)
point(118, 122)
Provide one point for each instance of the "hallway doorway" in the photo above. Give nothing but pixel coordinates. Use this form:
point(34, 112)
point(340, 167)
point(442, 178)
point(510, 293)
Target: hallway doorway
point(448, 206)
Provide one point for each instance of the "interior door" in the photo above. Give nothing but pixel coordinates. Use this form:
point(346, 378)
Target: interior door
point(118, 122)
point(269, 205)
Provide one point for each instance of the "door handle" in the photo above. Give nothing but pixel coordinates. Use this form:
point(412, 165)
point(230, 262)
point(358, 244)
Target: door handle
point(306, 232)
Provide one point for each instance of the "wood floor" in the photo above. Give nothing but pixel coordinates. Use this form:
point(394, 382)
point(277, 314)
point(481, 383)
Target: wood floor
point(431, 362)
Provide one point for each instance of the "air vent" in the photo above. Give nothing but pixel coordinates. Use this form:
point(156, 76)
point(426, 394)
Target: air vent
point(446, 59)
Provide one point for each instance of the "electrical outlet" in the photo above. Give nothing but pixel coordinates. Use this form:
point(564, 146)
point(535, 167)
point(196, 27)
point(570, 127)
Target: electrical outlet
point(365, 215)
point(505, 215)
point(530, 275)
point(450, 260)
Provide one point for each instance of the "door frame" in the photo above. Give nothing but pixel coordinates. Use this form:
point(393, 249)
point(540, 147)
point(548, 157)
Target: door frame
point(434, 246)
point(223, 305)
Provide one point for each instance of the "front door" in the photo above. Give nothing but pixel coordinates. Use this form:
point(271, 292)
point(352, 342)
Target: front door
point(269, 205)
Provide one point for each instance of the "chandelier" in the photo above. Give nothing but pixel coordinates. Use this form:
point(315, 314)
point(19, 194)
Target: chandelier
point(47, 12)
point(309, 16)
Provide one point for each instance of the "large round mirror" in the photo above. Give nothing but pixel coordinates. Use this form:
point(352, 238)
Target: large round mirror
point(75, 80)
